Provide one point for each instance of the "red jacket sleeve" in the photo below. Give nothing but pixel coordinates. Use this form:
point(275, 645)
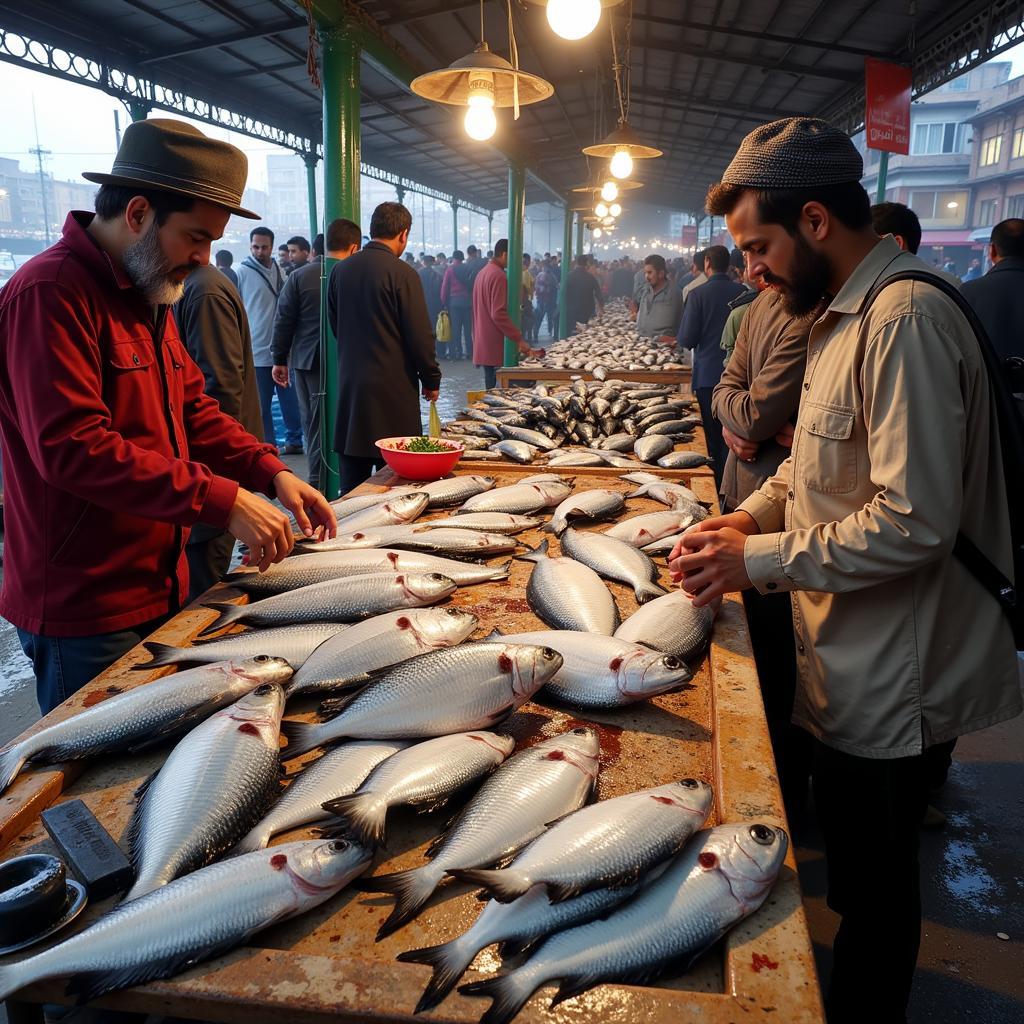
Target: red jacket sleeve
point(57, 400)
point(497, 299)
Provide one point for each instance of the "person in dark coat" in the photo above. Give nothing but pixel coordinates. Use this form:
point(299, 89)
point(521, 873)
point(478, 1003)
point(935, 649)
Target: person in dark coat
point(582, 294)
point(998, 297)
point(212, 323)
point(376, 307)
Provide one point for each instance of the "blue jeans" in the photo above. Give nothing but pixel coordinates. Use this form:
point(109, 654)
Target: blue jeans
point(64, 664)
point(289, 408)
point(461, 313)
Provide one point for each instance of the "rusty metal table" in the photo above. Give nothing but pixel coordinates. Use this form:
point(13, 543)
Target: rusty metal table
point(325, 966)
point(505, 375)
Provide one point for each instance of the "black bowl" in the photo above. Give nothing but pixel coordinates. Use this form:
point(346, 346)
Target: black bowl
point(33, 894)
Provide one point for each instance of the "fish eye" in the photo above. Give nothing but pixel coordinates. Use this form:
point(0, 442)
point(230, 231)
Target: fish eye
point(689, 783)
point(263, 689)
point(762, 834)
point(262, 658)
point(579, 732)
point(435, 576)
point(337, 845)
point(549, 654)
point(671, 661)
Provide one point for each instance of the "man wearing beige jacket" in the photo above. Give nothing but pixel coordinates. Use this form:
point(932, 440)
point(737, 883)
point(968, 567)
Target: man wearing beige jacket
point(896, 450)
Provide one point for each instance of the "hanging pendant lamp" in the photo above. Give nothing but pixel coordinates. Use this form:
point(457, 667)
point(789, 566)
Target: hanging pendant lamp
point(574, 19)
point(622, 146)
point(482, 81)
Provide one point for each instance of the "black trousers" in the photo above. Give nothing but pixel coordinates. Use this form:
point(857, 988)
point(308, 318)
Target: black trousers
point(770, 620)
point(712, 433)
point(354, 470)
point(869, 812)
point(209, 555)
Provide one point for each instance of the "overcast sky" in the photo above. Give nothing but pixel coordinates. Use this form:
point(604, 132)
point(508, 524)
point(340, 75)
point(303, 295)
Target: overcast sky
point(76, 123)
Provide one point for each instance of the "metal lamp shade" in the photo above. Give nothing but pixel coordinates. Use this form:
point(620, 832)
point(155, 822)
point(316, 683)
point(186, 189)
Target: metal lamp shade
point(622, 186)
point(624, 138)
point(451, 84)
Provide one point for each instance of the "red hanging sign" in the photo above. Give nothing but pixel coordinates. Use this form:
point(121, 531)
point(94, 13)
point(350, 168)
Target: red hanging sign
point(887, 109)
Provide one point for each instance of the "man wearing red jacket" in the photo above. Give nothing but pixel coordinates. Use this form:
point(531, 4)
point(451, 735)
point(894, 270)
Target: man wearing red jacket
point(111, 449)
point(491, 322)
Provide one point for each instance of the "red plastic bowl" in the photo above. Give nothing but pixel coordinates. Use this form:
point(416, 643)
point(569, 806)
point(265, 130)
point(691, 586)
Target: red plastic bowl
point(419, 465)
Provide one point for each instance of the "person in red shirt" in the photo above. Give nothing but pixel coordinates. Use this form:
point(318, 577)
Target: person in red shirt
point(111, 449)
point(491, 322)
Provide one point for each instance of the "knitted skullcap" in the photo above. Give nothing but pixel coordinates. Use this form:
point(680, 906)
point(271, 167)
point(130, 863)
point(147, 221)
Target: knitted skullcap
point(795, 152)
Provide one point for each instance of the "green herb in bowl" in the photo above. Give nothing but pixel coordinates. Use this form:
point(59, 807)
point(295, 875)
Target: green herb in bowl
point(426, 444)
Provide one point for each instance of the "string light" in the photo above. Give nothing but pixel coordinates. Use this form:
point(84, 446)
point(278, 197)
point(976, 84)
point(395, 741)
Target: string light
point(601, 210)
point(615, 209)
point(609, 191)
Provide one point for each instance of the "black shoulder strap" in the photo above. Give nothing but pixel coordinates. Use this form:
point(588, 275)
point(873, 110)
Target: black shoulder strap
point(1011, 440)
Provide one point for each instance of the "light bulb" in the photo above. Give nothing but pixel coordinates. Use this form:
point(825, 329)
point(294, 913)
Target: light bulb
point(480, 121)
point(573, 19)
point(615, 209)
point(597, 232)
point(601, 210)
point(621, 165)
point(608, 221)
point(609, 191)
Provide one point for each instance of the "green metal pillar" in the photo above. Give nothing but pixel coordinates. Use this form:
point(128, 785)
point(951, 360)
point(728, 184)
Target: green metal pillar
point(883, 171)
point(579, 235)
point(340, 65)
point(490, 230)
point(455, 225)
point(563, 285)
point(516, 216)
point(310, 160)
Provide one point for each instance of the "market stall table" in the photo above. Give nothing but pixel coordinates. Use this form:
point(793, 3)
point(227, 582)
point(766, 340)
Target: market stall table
point(326, 965)
point(507, 375)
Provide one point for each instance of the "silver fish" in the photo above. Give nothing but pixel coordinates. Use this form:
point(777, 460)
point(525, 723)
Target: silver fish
point(394, 512)
point(425, 776)
point(577, 458)
point(192, 919)
point(606, 844)
point(666, 492)
point(619, 443)
point(157, 710)
point(645, 529)
point(614, 559)
point(380, 642)
point(684, 460)
point(652, 447)
point(452, 491)
point(513, 807)
point(722, 876)
point(673, 427)
point(519, 499)
point(333, 565)
point(473, 686)
point(601, 671)
point(215, 785)
point(459, 542)
point(349, 506)
point(293, 643)
point(673, 625)
point(531, 437)
point(639, 477)
point(663, 546)
point(597, 503)
point(566, 594)
point(341, 771)
point(345, 599)
point(548, 478)
point(517, 451)
point(489, 522)
point(518, 925)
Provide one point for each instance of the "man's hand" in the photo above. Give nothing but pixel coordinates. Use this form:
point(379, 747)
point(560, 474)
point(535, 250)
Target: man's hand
point(262, 528)
point(708, 558)
point(280, 375)
point(785, 435)
point(311, 509)
point(431, 395)
point(740, 446)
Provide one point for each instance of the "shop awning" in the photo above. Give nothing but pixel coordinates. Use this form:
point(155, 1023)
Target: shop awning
point(962, 237)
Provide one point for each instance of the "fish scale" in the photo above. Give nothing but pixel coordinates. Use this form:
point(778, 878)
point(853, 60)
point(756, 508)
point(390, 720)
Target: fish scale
point(672, 624)
point(514, 806)
point(614, 559)
point(213, 787)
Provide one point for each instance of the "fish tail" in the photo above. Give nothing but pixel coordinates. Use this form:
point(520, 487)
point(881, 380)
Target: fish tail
point(448, 962)
point(229, 613)
point(18, 975)
point(411, 890)
point(503, 571)
point(364, 814)
point(12, 761)
point(504, 885)
point(537, 554)
point(239, 579)
point(507, 996)
point(639, 492)
point(255, 840)
point(163, 654)
point(648, 592)
point(301, 738)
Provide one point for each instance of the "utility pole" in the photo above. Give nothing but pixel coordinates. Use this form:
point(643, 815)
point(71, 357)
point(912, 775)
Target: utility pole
point(40, 153)
point(117, 127)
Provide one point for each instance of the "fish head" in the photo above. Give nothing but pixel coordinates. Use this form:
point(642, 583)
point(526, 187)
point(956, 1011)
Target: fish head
point(691, 796)
point(749, 855)
point(317, 869)
point(425, 587)
point(500, 744)
point(261, 669)
point(643, 673)
point(438, 627)
point(262, 706)
point(580, 747)
point(529, 667)
point(406, 508)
